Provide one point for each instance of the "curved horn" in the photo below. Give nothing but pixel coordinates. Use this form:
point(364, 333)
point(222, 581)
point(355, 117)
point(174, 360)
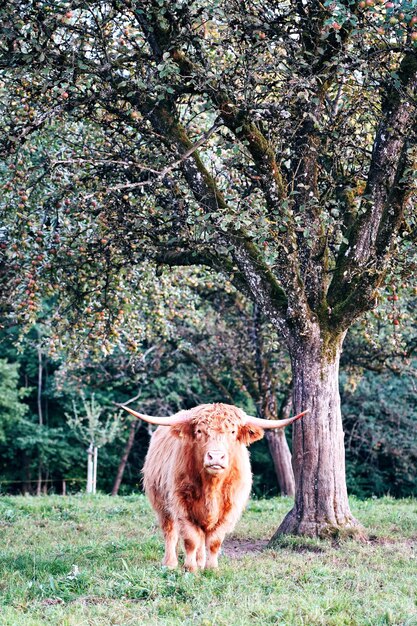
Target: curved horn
point(257, 421)
point(172, 420)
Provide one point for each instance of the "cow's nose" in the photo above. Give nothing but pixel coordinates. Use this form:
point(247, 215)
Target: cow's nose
point(216, 456)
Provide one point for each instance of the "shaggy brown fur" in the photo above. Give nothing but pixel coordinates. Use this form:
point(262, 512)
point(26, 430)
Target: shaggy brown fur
point(198, 478)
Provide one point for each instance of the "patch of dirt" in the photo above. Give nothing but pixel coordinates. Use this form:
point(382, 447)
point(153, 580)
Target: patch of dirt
point(384, 541)
point(238, 548)
point(91, 600)
point(52, 601)
point(301, 548)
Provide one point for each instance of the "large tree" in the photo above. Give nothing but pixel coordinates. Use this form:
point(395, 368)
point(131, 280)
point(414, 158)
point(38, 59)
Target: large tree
point(271, 141)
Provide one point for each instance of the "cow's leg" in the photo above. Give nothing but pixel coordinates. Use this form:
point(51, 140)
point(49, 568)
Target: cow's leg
point(201, 554)
point(170, 530)
point(214, 541)
point(193, 538)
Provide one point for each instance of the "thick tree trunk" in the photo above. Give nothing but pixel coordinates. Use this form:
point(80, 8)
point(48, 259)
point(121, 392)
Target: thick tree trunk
point(134, 425)
point(281, 457)
point(321, 505)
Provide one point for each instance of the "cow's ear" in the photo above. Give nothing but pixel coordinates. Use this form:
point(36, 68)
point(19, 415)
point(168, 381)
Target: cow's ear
point(249, 433)
point(182, 431)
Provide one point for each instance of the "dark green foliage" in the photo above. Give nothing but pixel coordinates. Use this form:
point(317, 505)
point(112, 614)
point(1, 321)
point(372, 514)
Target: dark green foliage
point(379, 409)
point(11, 406)
point(24, 443)
point(380, 418)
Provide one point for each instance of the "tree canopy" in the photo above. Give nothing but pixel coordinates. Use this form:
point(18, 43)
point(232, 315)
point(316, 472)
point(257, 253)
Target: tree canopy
point(246, 136)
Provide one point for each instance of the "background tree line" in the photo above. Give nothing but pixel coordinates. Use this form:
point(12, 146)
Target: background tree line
point(220, 361)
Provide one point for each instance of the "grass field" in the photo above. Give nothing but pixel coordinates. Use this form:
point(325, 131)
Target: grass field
point(95, 561)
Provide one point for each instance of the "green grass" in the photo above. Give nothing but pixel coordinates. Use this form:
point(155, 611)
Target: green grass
point(95, 561)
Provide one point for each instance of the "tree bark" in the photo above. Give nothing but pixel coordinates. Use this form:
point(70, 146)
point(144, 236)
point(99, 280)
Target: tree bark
point(40, 416)
point(281, 457)
point(321, 507)
point(134, 425)
point(39, 395)
point(90, 468)
point(26, 474)
point(39, 480)
point(95, 460)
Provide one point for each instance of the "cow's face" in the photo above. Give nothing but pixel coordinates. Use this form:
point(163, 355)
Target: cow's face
point(216, 436)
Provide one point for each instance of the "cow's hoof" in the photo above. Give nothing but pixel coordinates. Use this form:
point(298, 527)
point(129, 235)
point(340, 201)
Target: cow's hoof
point(192, 569)
point(170, 564)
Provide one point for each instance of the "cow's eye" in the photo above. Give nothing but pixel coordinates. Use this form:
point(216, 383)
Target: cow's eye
point(198, 431)
point(233, 432)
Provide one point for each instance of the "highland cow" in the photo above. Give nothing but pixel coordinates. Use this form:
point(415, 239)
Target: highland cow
point(198, 478)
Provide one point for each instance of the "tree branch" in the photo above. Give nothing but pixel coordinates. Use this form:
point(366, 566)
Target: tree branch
point(360, 260)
